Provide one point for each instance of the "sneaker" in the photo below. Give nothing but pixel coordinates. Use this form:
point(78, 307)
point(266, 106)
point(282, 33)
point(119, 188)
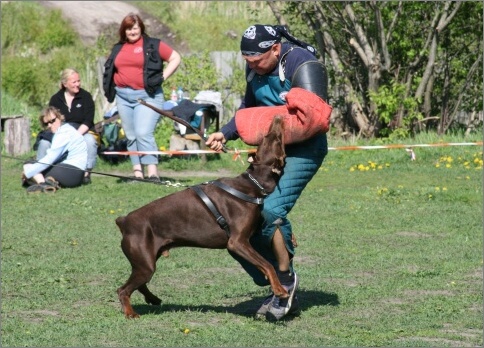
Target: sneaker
point(264, 308)
point(280, 307)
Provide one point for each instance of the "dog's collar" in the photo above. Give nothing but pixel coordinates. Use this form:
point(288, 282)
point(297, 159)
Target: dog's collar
point(263, 190)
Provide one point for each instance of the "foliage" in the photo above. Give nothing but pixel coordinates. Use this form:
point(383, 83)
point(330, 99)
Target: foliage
point(372, 47)
point(209, 25)
point(195, 73)
point(388, 100)
point(387, 257)
point(57, 33)
point(32, 59)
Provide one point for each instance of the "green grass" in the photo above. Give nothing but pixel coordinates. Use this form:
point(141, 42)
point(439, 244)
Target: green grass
point(386, 257)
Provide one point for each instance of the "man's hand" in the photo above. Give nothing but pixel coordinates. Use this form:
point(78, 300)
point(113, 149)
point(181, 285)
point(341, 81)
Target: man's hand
point(215, 141)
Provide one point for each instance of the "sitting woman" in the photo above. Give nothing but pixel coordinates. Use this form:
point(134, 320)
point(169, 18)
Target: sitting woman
point(65, 161)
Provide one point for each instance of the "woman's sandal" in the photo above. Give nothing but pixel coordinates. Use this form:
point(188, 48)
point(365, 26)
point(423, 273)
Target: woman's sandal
point(52, 182)
point(41, 188)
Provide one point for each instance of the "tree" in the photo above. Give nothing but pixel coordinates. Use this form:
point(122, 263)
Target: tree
point(394, 66)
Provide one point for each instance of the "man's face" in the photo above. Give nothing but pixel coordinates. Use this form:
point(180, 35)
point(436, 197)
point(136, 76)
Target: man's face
point(266, 62)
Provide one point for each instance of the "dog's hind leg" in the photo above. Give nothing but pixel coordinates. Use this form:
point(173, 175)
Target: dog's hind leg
point(149, 297)
point(143, 267)
point(137, 281)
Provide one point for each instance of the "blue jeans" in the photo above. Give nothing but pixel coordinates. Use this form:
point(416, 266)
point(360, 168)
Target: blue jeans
point(302, 162)
point(139, 122)
point(91, 143)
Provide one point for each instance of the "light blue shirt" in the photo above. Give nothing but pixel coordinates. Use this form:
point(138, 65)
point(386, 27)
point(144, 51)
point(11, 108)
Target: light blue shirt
point(67, 138)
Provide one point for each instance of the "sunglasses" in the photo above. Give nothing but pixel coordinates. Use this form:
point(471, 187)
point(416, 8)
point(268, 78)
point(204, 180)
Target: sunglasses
point(50, 122)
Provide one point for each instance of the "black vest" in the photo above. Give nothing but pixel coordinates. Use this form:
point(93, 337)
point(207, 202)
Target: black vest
point(152, 68)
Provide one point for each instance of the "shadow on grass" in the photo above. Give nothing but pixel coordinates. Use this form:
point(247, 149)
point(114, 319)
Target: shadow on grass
point(307, 299)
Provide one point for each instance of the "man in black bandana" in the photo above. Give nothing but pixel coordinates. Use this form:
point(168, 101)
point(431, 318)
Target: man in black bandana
point(272, 65)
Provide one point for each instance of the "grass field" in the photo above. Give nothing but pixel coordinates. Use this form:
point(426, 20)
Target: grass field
point(390, 254)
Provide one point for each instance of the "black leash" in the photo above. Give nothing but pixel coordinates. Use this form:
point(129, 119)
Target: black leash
point(93, 172)
point(171, 115)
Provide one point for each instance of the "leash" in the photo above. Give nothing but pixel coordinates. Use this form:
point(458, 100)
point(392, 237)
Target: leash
point(170, 114)
point(166, 182)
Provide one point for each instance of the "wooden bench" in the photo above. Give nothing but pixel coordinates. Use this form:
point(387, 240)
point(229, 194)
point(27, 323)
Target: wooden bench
point(16, 134)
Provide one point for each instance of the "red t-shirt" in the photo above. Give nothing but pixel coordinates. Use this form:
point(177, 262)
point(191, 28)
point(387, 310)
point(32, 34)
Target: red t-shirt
point(129, 64)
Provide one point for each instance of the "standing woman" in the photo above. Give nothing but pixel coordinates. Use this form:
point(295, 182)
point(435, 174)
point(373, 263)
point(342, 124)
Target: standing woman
point(134, 70)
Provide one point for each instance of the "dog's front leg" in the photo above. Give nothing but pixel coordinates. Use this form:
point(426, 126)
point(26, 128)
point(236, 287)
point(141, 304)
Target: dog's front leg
point(244, 249)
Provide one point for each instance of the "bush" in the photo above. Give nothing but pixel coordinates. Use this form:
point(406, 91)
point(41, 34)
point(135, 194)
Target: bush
point(57, 33)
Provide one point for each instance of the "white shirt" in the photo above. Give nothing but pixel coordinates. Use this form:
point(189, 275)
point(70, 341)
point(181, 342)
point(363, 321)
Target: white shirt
point(66, 138)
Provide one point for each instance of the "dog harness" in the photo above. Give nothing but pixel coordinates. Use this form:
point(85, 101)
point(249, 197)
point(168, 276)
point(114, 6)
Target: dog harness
point(208, 202)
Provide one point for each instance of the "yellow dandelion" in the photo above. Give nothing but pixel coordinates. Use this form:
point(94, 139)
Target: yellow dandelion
point(186, 331)
point(112, 211)
point(352, 169)
point(437, 188)
point(444, 188)
point(380, 167)
point(448, 165)
point(437, 165)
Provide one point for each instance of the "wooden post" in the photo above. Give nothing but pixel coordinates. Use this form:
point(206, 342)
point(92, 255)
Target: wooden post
point(16, 134)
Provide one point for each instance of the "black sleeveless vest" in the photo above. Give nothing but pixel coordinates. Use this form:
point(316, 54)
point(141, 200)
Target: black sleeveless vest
point(152, 68)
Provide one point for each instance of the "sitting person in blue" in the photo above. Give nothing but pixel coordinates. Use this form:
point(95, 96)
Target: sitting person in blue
point(77, 106)
point(65, 161)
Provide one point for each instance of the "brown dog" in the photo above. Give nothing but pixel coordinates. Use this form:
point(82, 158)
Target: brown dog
point(153, 229)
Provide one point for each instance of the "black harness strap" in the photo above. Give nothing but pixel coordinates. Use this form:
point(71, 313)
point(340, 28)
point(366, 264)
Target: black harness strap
point(208, 202)
point(237, 193)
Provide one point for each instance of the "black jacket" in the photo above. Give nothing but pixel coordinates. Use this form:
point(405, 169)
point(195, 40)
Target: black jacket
point(152, 68)
point(82, 108)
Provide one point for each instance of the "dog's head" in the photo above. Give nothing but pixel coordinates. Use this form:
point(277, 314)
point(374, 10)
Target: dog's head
point(271, 151)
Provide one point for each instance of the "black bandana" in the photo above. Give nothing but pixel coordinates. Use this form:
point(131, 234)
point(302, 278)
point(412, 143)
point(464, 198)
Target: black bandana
point(258, 39)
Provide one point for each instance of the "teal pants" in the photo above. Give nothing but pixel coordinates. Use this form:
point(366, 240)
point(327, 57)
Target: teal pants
point(302, 162)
